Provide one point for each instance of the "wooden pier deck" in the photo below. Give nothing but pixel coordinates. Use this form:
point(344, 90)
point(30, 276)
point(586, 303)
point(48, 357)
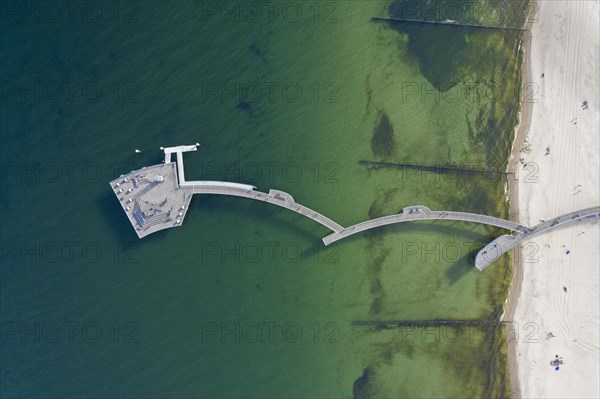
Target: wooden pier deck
point(495, 249)
point(415, 213)
point(157, 197)
point(274, 197)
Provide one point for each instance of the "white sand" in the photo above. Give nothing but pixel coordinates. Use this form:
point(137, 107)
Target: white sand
point(565, 47)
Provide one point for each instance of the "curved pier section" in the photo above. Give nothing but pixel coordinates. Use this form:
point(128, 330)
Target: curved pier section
point(274, 197)
point(157, 197)
point(419, 212)
point(495, 249)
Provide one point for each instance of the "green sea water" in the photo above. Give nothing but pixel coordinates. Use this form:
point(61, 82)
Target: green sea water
point(244, 301)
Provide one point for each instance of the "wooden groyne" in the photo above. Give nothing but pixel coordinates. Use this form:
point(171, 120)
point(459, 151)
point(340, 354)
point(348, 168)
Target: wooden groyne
point(374, 165)
point(446, 23)
point(426, 323)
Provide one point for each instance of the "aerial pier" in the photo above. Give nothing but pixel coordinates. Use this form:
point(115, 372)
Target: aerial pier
point(157, 197)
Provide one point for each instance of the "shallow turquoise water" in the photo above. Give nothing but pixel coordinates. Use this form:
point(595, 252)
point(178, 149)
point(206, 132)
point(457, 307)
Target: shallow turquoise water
point(278, 101)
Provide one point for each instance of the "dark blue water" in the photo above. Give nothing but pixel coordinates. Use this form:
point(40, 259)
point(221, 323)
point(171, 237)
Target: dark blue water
point(243, 300)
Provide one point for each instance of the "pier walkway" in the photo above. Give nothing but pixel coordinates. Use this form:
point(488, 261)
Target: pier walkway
point(420, 212)
point(492, 251)
point(274, 197)
point(157, 198)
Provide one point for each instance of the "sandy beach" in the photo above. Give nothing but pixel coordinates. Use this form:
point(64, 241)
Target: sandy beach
point(554, 300)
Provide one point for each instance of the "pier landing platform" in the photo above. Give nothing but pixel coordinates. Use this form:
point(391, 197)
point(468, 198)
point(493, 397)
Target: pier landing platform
point(157, 197)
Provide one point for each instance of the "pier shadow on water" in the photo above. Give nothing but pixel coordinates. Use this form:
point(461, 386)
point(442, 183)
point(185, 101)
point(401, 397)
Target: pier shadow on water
point(414, 227)
point(461, 267)
point(457, 270)
point(244, 209)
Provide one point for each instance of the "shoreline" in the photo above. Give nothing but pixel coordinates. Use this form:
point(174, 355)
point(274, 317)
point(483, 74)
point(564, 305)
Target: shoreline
point(522, 129)
point(555, 288)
